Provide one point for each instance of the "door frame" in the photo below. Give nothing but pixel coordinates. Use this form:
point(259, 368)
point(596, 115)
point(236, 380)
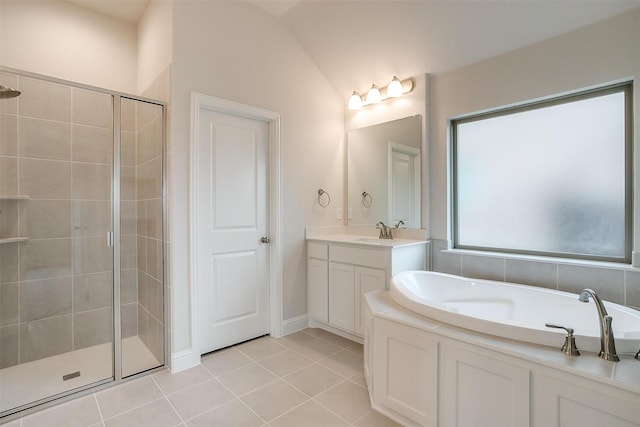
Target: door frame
point(414, 152)
point(201, 102)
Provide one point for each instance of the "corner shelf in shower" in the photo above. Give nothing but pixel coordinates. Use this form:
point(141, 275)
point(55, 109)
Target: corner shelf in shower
point(12, 197)
point(13, 240)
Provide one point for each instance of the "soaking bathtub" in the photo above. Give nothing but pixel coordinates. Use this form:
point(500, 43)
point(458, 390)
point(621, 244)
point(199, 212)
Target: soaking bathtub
point(512, 311)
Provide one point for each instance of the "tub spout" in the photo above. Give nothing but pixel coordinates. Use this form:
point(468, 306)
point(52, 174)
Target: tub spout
point(607, 340)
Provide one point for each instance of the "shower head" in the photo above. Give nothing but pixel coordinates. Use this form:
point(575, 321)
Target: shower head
point(7, 92)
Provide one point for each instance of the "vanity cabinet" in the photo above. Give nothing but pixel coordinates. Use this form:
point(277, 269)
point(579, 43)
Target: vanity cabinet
point(342, 296)
point(475, 389)
point(318, 281)
point(340, 274)
point(566, 401)
point(347, 286)
point(404, 355)
point(482, 389)
point(366, 280)
point(422, 375)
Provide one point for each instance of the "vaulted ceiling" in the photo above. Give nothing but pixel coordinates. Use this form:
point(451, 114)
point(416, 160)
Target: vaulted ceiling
point(126, 10)
point(358, 42)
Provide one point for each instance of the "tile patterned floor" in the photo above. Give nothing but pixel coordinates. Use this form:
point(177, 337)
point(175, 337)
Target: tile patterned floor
point(310, 378)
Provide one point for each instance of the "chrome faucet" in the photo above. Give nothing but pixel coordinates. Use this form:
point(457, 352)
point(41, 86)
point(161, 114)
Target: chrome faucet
point(385, 231)
point(607, 341)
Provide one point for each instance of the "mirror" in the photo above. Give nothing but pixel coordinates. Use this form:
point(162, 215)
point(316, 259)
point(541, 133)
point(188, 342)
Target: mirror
point(384, 174)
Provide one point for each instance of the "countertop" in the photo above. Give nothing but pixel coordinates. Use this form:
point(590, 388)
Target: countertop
point(368, 241)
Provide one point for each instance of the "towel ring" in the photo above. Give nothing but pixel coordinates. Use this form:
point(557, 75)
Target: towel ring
point(321, 193)
point(367, 200)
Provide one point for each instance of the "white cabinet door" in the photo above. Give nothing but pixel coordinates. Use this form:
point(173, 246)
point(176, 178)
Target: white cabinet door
point(559, 401)
point(318, 289)
point(477, 390)
point(341, 295)
point(366, 280)
point(405, 366)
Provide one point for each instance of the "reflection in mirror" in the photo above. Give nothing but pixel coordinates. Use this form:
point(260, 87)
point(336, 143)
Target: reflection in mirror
point(383, 173)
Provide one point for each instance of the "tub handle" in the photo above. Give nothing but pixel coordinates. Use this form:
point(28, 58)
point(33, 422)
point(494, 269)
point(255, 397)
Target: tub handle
point(569, 348)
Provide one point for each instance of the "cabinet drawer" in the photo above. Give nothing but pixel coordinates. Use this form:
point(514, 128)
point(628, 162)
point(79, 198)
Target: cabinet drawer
point(317, 250)
point(358, 256)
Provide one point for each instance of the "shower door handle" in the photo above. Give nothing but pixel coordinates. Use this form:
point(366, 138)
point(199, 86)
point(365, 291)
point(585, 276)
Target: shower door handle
point(110, 239)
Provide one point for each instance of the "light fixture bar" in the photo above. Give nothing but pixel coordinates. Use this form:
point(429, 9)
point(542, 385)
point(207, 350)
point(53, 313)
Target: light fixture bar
point(376, 95)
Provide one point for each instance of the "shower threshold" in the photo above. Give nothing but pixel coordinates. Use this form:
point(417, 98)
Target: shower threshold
point(40, 379)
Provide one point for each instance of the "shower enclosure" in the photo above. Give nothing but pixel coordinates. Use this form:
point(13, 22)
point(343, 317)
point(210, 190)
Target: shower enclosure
point(81, 239)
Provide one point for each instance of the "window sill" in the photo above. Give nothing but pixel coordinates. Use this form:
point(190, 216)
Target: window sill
point(547, 259)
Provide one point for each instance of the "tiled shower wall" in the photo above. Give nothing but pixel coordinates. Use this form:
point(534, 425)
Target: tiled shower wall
point(148, 172)
point(56, 287)
point(616, 284)
point(56, 147)
point(128, 221)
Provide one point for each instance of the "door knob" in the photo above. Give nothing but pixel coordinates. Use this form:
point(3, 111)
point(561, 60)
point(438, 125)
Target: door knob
point(265, 240)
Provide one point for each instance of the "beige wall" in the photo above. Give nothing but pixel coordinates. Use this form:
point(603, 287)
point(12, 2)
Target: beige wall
point(60, 39)
point(155, 48)
point(600, 53)
point(411, 104)
point(229, 50)
point(604, 52)
point(95, 50)
point(235, 51)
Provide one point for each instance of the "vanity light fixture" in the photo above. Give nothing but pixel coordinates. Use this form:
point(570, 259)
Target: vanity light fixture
point(355, 101)
point(394, 89)
point(375, 95)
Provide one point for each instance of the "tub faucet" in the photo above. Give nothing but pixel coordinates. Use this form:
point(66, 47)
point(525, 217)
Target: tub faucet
point(607, 341)
point(385, 231)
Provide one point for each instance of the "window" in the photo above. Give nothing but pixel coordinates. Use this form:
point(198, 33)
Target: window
point(547, 178)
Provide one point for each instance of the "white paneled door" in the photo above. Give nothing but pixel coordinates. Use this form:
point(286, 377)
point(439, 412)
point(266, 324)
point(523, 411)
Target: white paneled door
point(232, 229)
point(404, 184)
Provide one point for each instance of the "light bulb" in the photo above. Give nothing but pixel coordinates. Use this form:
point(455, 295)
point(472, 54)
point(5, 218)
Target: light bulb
point(373, 96)
point(355, 101)
point(395, 88)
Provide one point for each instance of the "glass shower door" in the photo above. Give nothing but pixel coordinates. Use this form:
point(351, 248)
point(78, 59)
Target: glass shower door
point(141, 260)
point(56, 261)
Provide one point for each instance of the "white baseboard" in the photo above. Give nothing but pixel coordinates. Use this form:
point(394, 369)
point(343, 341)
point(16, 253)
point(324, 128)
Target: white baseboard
point(313, 323)
point(184, 360)
point(295, 324)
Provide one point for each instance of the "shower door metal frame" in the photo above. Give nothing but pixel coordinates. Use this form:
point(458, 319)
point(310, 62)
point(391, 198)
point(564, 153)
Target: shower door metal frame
point(114, 239)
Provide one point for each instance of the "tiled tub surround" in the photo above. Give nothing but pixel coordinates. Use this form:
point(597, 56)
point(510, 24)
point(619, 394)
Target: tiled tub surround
point(55, 287)
point(425, 372)
point(613, 283)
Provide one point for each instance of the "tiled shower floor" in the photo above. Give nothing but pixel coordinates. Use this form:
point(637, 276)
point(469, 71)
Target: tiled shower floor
point(310, 378)
point(32, 381)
